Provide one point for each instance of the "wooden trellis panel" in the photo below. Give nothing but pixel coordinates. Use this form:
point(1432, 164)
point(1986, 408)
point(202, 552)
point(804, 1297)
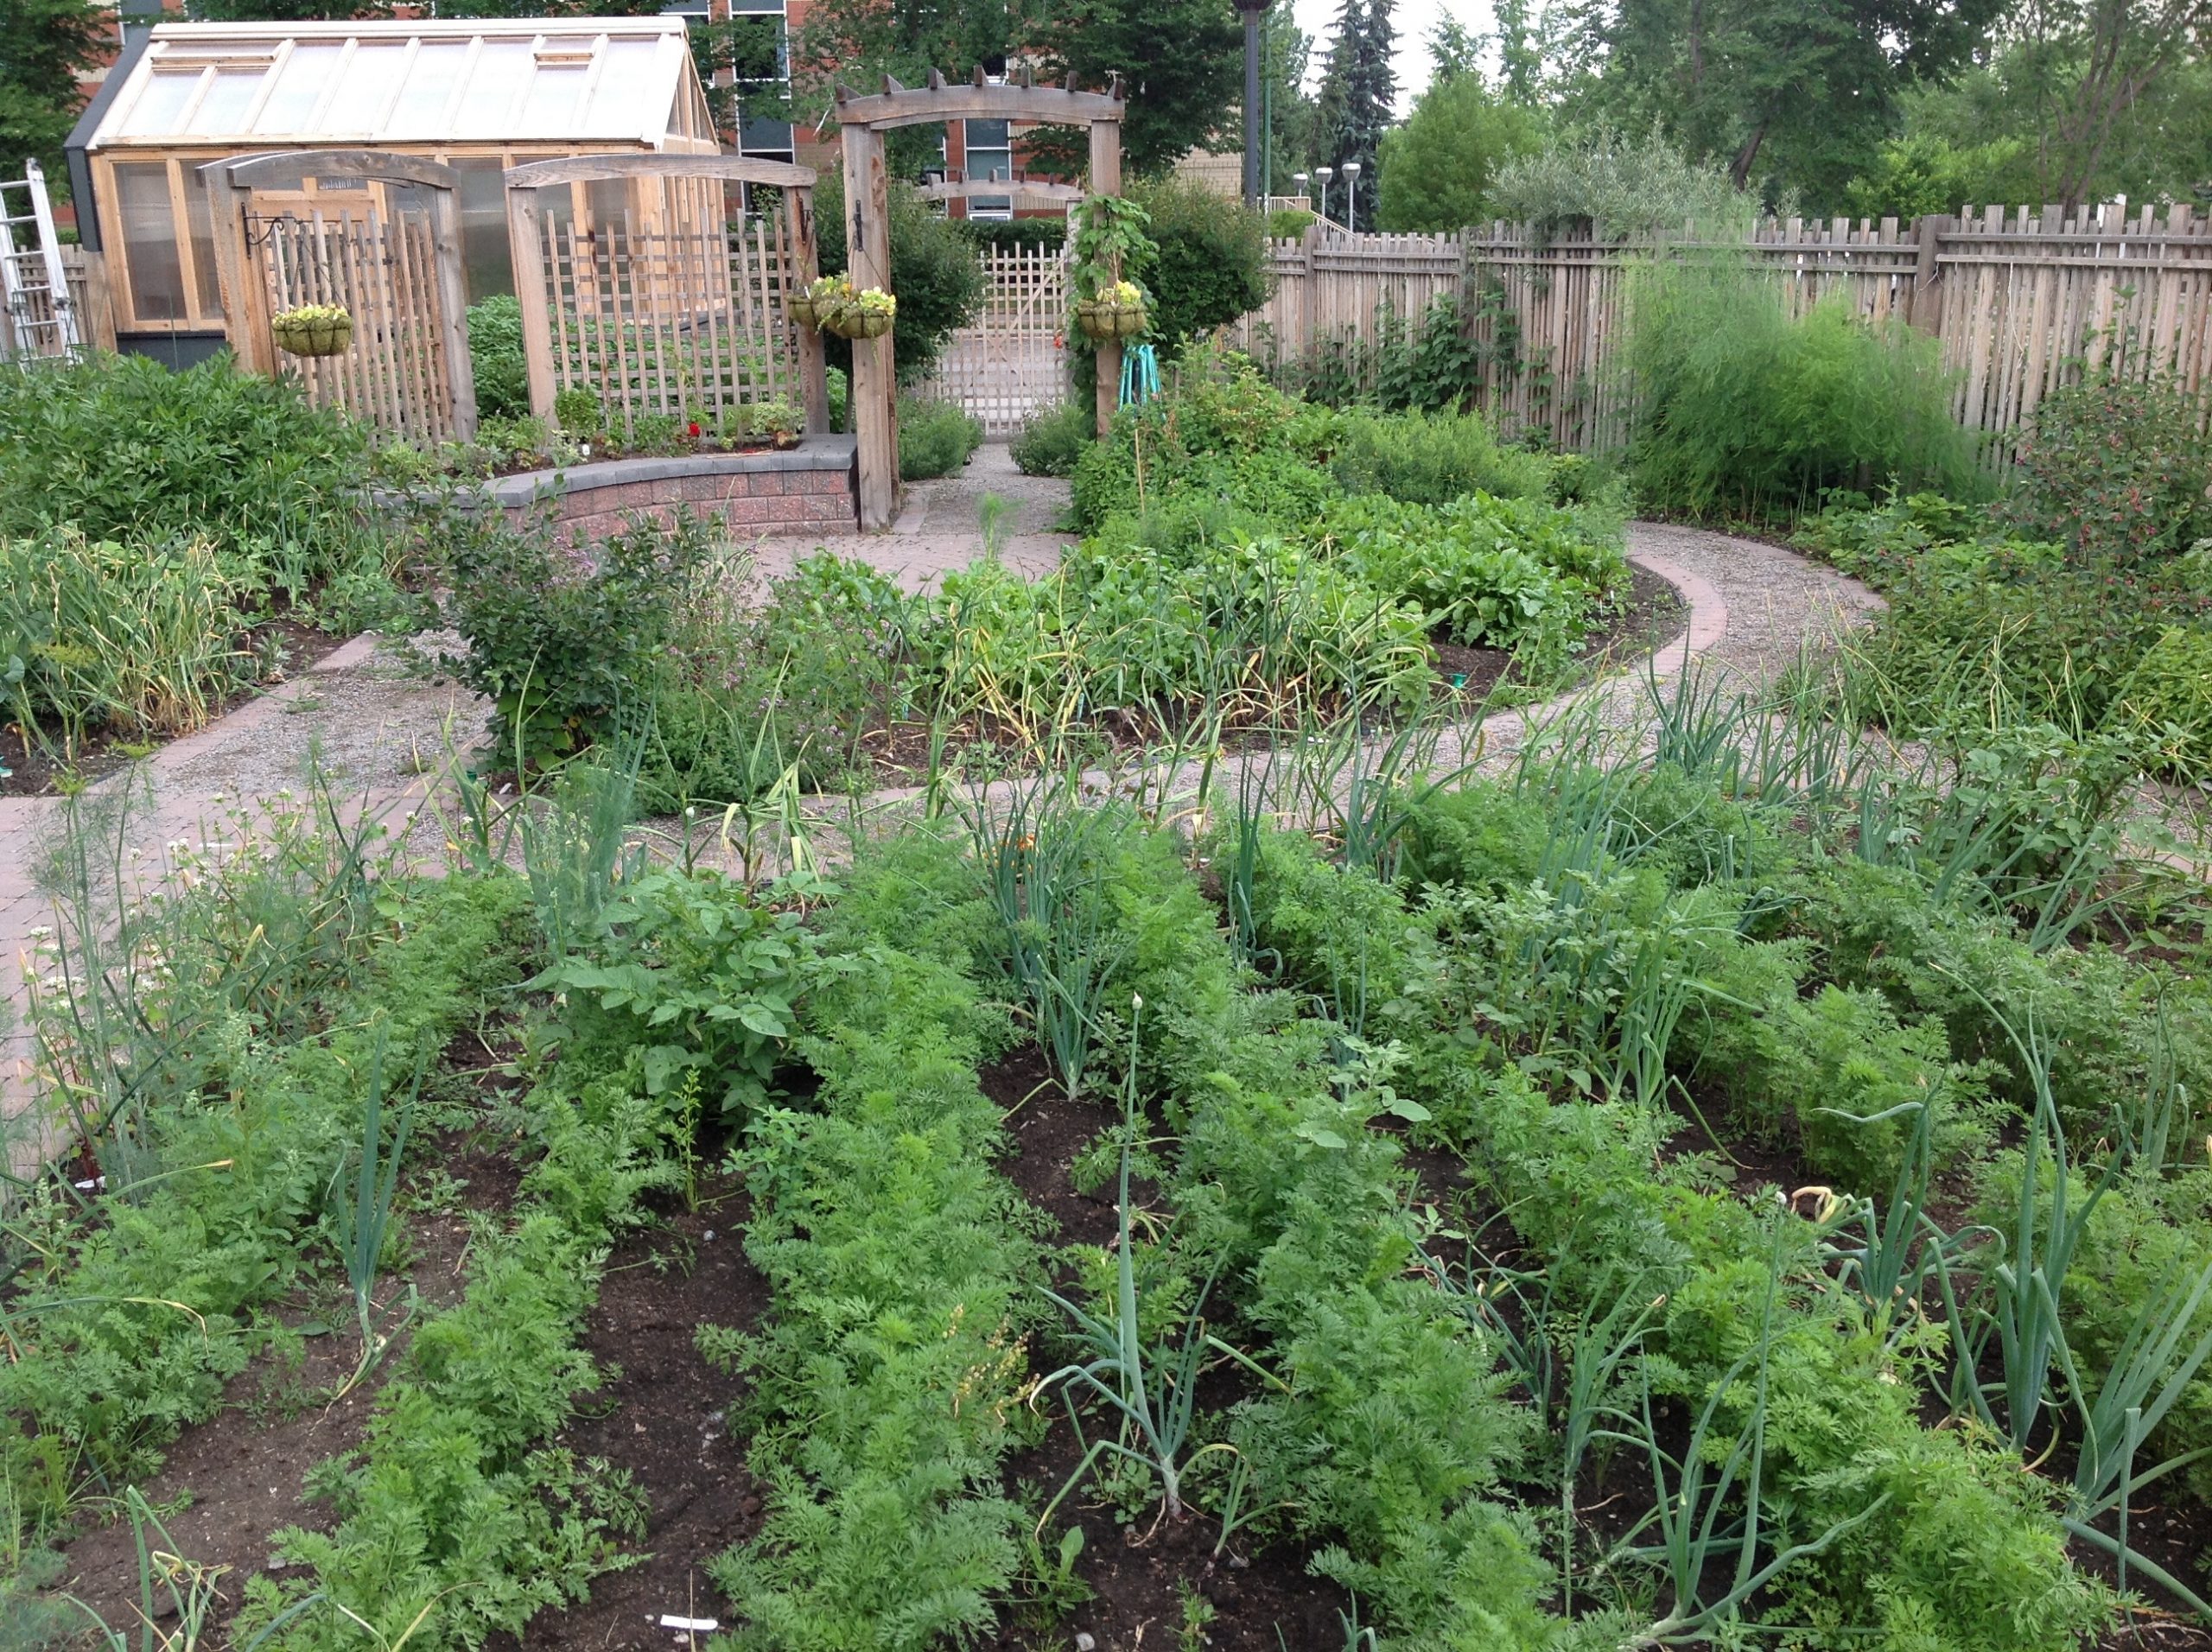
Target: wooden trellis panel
point(1012, 359)
point(384, 271)
point(687, 322)
point(2020, 301)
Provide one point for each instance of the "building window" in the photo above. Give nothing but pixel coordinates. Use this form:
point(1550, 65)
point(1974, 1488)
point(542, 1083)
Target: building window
point(990, 160)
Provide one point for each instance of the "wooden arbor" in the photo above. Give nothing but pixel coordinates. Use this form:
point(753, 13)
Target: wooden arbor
point(396, 271)
point(863, 122)
point(660, 302)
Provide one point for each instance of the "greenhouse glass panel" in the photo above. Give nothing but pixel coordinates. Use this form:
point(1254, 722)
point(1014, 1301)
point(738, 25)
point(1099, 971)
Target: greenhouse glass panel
point(201, 221)
point(554, 95)
point(300, 86)
point(161, 106)
point(222, 112)
point(371, 80)
point(503, 69)
point(149, 249)
point(484, 253)
point(428, 94)
point(628, 86)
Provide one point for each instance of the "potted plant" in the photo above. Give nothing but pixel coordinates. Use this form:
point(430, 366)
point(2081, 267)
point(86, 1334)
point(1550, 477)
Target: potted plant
point(867, 314)
point(778, 422)
point(313, 330)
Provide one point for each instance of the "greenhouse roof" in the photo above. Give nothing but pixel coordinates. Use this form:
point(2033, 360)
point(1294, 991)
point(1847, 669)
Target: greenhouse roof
point(614, 79)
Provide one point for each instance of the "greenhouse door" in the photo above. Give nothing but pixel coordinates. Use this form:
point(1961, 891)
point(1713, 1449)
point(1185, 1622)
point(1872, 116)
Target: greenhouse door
point(376, 236)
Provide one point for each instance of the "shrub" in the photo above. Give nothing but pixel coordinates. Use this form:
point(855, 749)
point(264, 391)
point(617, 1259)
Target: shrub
point(561, 640)
point(935, 438)
point(1288, 223)
point(1427, 459)
point(123, 448)
point(1623, 186)
point(1740, 410)
point(2116, 468)
point(1050, 234)
point(1436, 170)
point(933, 272)
point(1211, 264)
point(1053, 438)
point(495, 356)
point(1925, 173)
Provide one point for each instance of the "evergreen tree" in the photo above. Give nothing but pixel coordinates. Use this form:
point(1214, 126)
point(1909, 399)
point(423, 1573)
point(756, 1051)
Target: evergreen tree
point(44, 44)
point(1358, 93)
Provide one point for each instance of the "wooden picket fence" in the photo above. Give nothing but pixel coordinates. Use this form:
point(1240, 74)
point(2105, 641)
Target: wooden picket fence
point(1012, 359)
point(382, 270)
point(2020, 301)
point(685, 323)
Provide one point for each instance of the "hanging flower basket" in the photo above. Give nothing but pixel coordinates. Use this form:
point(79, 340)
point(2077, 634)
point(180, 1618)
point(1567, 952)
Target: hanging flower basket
point(867, 314)
point(1120, 311)
point(815, 302)
point(312, 330)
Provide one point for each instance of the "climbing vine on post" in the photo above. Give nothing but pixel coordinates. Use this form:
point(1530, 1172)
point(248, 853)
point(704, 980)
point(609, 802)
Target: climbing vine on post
point(1111, 237)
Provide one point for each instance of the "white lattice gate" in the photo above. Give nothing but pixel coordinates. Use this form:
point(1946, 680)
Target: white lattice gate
point(1012, 359)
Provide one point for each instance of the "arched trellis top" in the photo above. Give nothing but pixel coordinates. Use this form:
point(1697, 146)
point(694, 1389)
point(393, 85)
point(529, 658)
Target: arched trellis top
point(424, 399)
point(980, 100)
point(1054, 194)
point(588, 168)
point(688, 304)
point(861, 123)
point(277, 168)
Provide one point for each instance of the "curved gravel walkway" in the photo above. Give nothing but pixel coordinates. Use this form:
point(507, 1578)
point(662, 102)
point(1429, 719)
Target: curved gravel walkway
point(382, 729)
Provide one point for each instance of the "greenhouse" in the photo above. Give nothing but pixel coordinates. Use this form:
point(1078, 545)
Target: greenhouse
point(480, 96)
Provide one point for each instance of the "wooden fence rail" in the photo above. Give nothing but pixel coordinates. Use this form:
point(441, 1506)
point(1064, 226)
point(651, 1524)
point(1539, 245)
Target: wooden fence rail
point(2019, 301)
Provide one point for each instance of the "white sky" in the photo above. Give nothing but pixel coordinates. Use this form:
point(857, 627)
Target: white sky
point(1412, 19)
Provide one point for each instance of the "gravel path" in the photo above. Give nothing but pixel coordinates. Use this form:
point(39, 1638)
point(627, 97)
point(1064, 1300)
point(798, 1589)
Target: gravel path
point(378, 726)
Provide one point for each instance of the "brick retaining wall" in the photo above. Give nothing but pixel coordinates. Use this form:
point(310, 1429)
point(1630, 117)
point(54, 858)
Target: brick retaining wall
point(808, 489)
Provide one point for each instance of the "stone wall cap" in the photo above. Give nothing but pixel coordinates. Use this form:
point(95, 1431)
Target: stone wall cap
point(813, 453)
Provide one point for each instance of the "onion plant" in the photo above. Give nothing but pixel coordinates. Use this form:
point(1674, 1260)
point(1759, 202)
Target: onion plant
point(1041, 861)
point(2154, 1365)
point(364, 1220)
point(1900, 1247)
point(2048, 1219)
point(1149, 1394)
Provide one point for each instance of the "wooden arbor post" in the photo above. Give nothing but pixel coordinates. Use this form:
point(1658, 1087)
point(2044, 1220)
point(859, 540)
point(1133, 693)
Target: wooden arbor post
point(862, 121)
point(534, 284)
point(230, 184)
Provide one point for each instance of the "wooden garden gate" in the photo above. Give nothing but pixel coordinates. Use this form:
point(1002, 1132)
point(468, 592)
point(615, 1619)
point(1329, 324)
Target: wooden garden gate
point(1012, 358)
point(377, 234)
point(668, 300)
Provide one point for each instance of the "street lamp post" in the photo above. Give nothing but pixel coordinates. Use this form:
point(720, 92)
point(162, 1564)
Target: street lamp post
point(1322, 175)
point(1351, 197)
point(1252, 11)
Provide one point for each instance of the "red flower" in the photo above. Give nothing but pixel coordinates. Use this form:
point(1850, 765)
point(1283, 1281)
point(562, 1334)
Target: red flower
point(695, 427)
